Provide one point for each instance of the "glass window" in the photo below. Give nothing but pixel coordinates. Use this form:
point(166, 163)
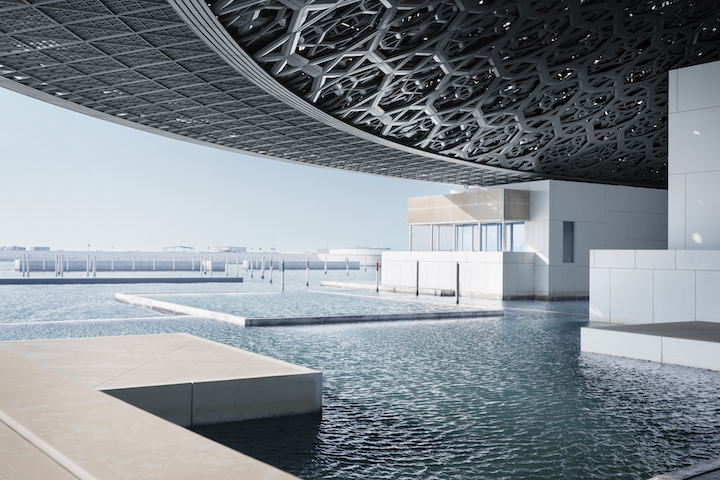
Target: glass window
point(491, 237)
point(515, 237)
point(568, 242)
point(420, 240)
point(466, 238)
point(445, 243)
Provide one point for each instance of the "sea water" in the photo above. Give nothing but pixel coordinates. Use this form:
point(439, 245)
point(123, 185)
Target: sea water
point(494, 398)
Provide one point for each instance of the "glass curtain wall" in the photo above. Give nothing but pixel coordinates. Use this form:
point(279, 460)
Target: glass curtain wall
point(491, 237)
point(466, 238)
point(442, 238)
point(420, 240)
point(515, 237)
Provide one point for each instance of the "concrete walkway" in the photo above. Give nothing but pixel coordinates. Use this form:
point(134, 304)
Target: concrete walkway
point(181, 378)
point(53, 427)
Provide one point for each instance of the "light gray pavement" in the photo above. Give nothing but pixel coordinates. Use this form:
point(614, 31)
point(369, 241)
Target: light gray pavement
point(180, 377)
point(52, 426)
point(702, 331)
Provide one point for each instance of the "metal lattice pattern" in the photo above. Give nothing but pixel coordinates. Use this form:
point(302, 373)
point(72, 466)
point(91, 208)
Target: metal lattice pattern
point(574, 89)
point(136, 60)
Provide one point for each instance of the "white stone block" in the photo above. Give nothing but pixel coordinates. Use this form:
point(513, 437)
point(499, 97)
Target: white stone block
point(479, 278)
point(566, 200)
point(697, 260)
point(676, 212)
point(693, 140)
point(495, 278)
point(674, 296)
point(672, 91)
point(617, 199)
point(555, 281)
point(466, 278)
point(637, 199)
point(510, 279)
point(707, 292)
point(656, 200)
point(461, 257)
point(536, 237)
point(647, 226)
point(555, 242)
point(616, 229)
point(655, 259)
point(593, 203)
point(631, 296)
point(542, 286)
point(615, 259)
point(697, 86)
point(568, 280)
point(587, 236)
point(582, 280)
point(446, 275)
point(691, 353)
point(540, 201)
point(702, 230)
point(621, 344)
point(525, 279)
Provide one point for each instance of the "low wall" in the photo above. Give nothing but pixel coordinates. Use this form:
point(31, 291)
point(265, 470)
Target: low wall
point(654, 286)
point(302, 265)
point(48, 265)
point(494, 275)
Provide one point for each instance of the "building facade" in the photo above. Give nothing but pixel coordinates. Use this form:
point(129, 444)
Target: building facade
point(529, 240)
point(679, 284)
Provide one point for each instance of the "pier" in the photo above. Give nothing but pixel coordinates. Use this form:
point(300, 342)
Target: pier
point(109, 280)
point(61, 415)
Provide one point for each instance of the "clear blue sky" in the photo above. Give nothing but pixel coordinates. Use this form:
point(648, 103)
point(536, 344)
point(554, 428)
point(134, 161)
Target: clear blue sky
point(68, 180)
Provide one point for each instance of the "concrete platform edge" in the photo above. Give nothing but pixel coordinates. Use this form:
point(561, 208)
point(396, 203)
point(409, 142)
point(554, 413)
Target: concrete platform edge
point(691, 471)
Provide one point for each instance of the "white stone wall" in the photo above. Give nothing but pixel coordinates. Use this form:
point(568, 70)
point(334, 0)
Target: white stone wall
point(605, 216)
point(654, 286)
point(694, 157)
point(482, 274)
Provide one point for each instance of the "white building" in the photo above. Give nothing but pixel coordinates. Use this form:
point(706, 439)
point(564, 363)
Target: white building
point(364, 256)
point(682, 283)
point(528, 240)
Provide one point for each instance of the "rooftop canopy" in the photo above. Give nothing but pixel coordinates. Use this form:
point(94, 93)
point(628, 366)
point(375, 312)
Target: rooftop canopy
point(468, 93)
